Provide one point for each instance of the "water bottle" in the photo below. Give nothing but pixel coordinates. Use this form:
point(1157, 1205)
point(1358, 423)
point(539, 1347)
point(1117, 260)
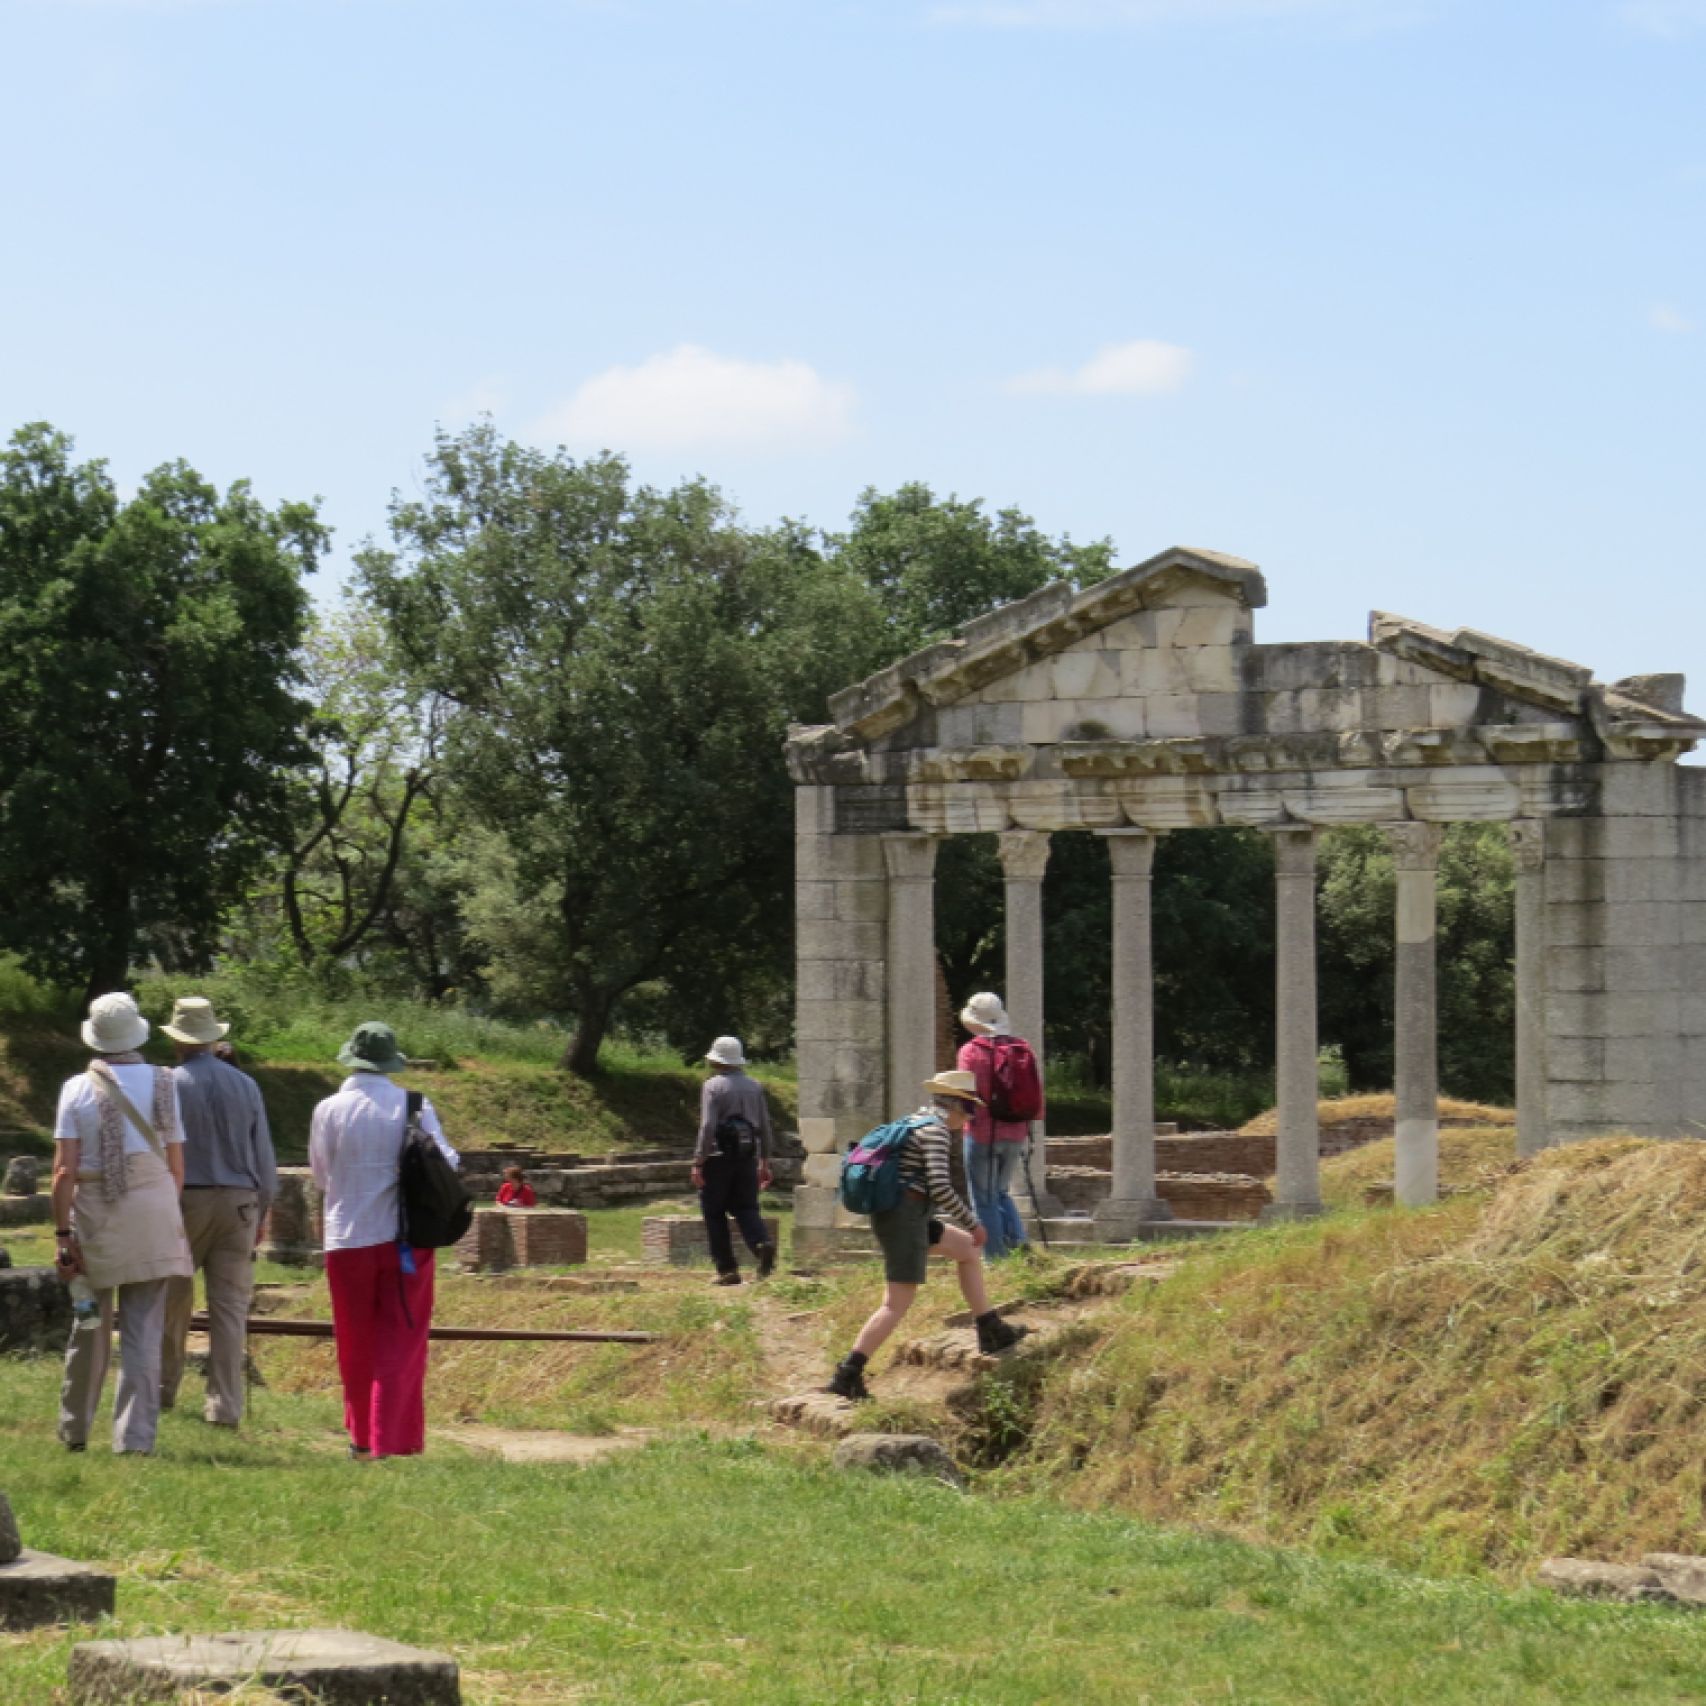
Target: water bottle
point(85, 1306)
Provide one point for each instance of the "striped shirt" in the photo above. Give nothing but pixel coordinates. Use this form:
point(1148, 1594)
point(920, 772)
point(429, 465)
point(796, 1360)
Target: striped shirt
point(924, 1168)
point(227, 1142)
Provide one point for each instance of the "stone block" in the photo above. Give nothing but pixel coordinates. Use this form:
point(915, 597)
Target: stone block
point(1159, 670)
point(1213, 625)
point(1212, 669)
point(841, 980)
point(1576, 1060)
point(1584, 1578)
point(824, 939)
point(818, 1136)
point(1086, 675)
point(1400, 708)
point(1604, 1107)
point(814, 900)
point(26, 1211)
point(1579, 969)
point(822, 1171)
point(1639, 790)
point(332, 1667)
point(35, 1310)
point(1654, 970)
point(1454, 705)
point(1614, 838)
point(861, 902)
point(831, 858)
point(1691, 923)
point(814, 1207)
point(295, 1228)
point(904, 1454)
point(504, 1238)
point(1173, 716)
point(1488, 798)
point(679, 1240)
point(23, 1177)
point(1222, 714)
point(1683, 1574)
point(38, 1590)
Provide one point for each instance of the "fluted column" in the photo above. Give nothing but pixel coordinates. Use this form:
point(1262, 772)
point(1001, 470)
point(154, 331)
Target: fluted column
point(1528, 845)
point(1131, 862)
point(1415, 857)
point(911, 861)
point(1024, 859)
point(1296, 1065)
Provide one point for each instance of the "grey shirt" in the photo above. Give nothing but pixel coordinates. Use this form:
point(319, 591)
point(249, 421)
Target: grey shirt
point(227, 1141)
point(728, 1093)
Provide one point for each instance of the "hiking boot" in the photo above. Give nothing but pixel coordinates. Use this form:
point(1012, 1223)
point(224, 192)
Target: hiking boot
point(994, 1334)
point(848, 1381)
point(732, 1277)
point(766, 1260)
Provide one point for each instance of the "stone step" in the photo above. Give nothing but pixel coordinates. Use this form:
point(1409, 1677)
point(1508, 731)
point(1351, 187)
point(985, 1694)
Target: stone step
point(955, 1348)
point(335, 1667)
point(37, 1589)
point(816, 1413)
point(1110, 1279)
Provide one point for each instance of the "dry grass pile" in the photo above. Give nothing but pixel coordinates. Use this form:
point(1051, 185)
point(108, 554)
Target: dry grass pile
point(1510, 1375)
point(1345, 1110)
point(1470, 1158)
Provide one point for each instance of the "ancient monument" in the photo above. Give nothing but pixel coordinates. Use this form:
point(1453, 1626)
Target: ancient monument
point(1142, 707)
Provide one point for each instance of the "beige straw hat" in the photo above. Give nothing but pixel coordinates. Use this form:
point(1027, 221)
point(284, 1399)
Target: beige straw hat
point(193, 1021)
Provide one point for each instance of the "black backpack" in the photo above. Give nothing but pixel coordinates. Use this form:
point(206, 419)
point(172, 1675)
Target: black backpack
point(434, 1208)
point(736, 1137)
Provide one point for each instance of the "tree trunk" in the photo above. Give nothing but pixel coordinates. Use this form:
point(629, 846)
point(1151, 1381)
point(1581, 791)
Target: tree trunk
point(109, 954)
point(581, 1056)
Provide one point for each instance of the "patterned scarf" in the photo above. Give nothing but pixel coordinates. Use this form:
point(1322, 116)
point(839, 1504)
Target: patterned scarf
point(114, 1182)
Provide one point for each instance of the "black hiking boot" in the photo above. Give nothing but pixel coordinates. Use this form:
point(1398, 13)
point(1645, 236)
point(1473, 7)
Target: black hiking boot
point(766, 1260)
point(848, 1381)
point(994, 1334)
point(732, 1277)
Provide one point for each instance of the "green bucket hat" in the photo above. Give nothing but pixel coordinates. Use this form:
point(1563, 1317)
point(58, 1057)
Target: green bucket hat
point(373, 1048)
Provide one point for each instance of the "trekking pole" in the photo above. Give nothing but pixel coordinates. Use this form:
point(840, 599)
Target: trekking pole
point(1036, 1201)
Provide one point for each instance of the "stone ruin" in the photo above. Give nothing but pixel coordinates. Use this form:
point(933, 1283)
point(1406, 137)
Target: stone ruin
point(37, 1589)
point(1142, 707)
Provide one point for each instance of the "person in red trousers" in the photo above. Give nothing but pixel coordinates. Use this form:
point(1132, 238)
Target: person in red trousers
point(381, 1287)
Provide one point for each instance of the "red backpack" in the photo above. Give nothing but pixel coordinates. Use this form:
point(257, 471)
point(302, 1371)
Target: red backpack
point(1015, 1086)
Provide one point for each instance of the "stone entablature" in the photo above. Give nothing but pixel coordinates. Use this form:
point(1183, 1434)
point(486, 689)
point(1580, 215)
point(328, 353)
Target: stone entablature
point(1144, 706)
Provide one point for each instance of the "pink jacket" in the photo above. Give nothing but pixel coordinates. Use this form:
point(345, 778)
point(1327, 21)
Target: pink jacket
point(977, 1058)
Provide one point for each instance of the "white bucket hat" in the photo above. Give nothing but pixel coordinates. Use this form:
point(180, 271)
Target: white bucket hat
point(960, 1085)
point(193, 1021)
point(114, 1026)
point(985, 1013)
point(726, 1051)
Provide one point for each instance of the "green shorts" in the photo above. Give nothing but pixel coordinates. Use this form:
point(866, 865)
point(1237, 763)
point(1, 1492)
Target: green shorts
point(906, 1236)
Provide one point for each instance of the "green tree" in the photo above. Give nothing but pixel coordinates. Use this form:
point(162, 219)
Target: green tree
point(148, 661)
point(621, 666)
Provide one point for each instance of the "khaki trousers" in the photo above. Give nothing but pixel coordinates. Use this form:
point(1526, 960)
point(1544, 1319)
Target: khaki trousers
point(220, 1225)
point(136, 1404)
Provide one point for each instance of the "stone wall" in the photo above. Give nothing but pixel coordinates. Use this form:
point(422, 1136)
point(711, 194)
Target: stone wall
point(678, 1240)
point(503, 1238)
point(1196, 1196)
point(35, 1310)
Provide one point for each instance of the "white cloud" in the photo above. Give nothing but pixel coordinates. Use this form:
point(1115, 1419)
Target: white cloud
point(1662, 317)
point(690, 396)
point(1101, 14)
point(1142, 368)
point(1668, 19)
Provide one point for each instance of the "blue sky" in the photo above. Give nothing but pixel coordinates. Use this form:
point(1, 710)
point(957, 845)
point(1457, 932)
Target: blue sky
point(1404, 299)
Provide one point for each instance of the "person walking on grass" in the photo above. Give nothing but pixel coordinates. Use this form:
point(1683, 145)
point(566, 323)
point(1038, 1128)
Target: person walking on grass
point(230, 1179)
point(932, 1219)
point(994, 1144)
point(381, 1287)
point(731, 1161)
point(117, 1170)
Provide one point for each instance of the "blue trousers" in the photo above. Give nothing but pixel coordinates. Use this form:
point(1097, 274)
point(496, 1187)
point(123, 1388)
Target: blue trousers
point(989, 1171)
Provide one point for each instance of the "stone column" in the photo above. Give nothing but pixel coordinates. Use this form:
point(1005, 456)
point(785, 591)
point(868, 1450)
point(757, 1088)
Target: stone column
point(1131, 859)
point(1296, 1066)
point(911, 861)
point(1415, 857)
point(1024, 859)
point(1528, 847)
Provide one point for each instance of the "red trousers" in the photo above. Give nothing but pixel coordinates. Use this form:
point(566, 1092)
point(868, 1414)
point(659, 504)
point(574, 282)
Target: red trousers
point(380, 1316)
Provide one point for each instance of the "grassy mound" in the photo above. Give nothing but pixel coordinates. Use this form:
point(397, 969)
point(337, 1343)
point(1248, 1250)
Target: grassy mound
point(1346, 1110)
point(1514, 1373)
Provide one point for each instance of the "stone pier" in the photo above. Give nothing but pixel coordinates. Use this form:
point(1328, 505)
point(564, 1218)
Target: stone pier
point(1024, 862)
point(1415, 855)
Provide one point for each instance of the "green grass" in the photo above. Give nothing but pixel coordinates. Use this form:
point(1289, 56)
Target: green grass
point(715, 1573)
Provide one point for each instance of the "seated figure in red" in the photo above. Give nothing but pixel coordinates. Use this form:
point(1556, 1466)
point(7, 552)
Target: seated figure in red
point(515, 1192)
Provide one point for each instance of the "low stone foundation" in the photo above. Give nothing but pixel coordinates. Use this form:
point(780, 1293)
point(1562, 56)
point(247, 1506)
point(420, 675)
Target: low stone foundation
point(35, 1310)
point(26, 1211)
point(1213, 1196)
point(502, 1238)
point(679, 1240)
point(38, 1590)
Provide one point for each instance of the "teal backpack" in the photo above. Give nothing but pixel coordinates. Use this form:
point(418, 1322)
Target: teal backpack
point(870, 1170)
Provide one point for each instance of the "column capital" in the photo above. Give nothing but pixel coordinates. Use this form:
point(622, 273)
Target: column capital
point(1024, 854)
point(1415, 846)
point(1528, 843)
point(1294, 851)
point(911, 858)
point(1131, 852)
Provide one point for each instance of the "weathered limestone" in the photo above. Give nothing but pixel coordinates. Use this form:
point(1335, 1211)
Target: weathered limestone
point(1415, 855)
point(34, 1210)
point(37, 1590)
point(1297, 1181)
point(1024, 860)
point(23, 1177)
point(1584, 1578)
point(1528, 851)
point(1134, 1199)
point(334, 1667)
point(905, 1454)
point(35, 1310)
point(911, 861)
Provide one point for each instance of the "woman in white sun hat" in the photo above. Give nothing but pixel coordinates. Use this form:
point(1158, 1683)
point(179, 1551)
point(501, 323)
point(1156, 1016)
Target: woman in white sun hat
point(118, 1170)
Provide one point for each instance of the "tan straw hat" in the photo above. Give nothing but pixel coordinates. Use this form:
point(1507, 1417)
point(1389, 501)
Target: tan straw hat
point(962, 1085)
point(193, 1021)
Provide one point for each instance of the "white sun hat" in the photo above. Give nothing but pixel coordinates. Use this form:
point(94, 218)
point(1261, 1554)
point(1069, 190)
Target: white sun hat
point(114, 1026)
point(985, 1014)
point(193, 1021)
point(726, 1051)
